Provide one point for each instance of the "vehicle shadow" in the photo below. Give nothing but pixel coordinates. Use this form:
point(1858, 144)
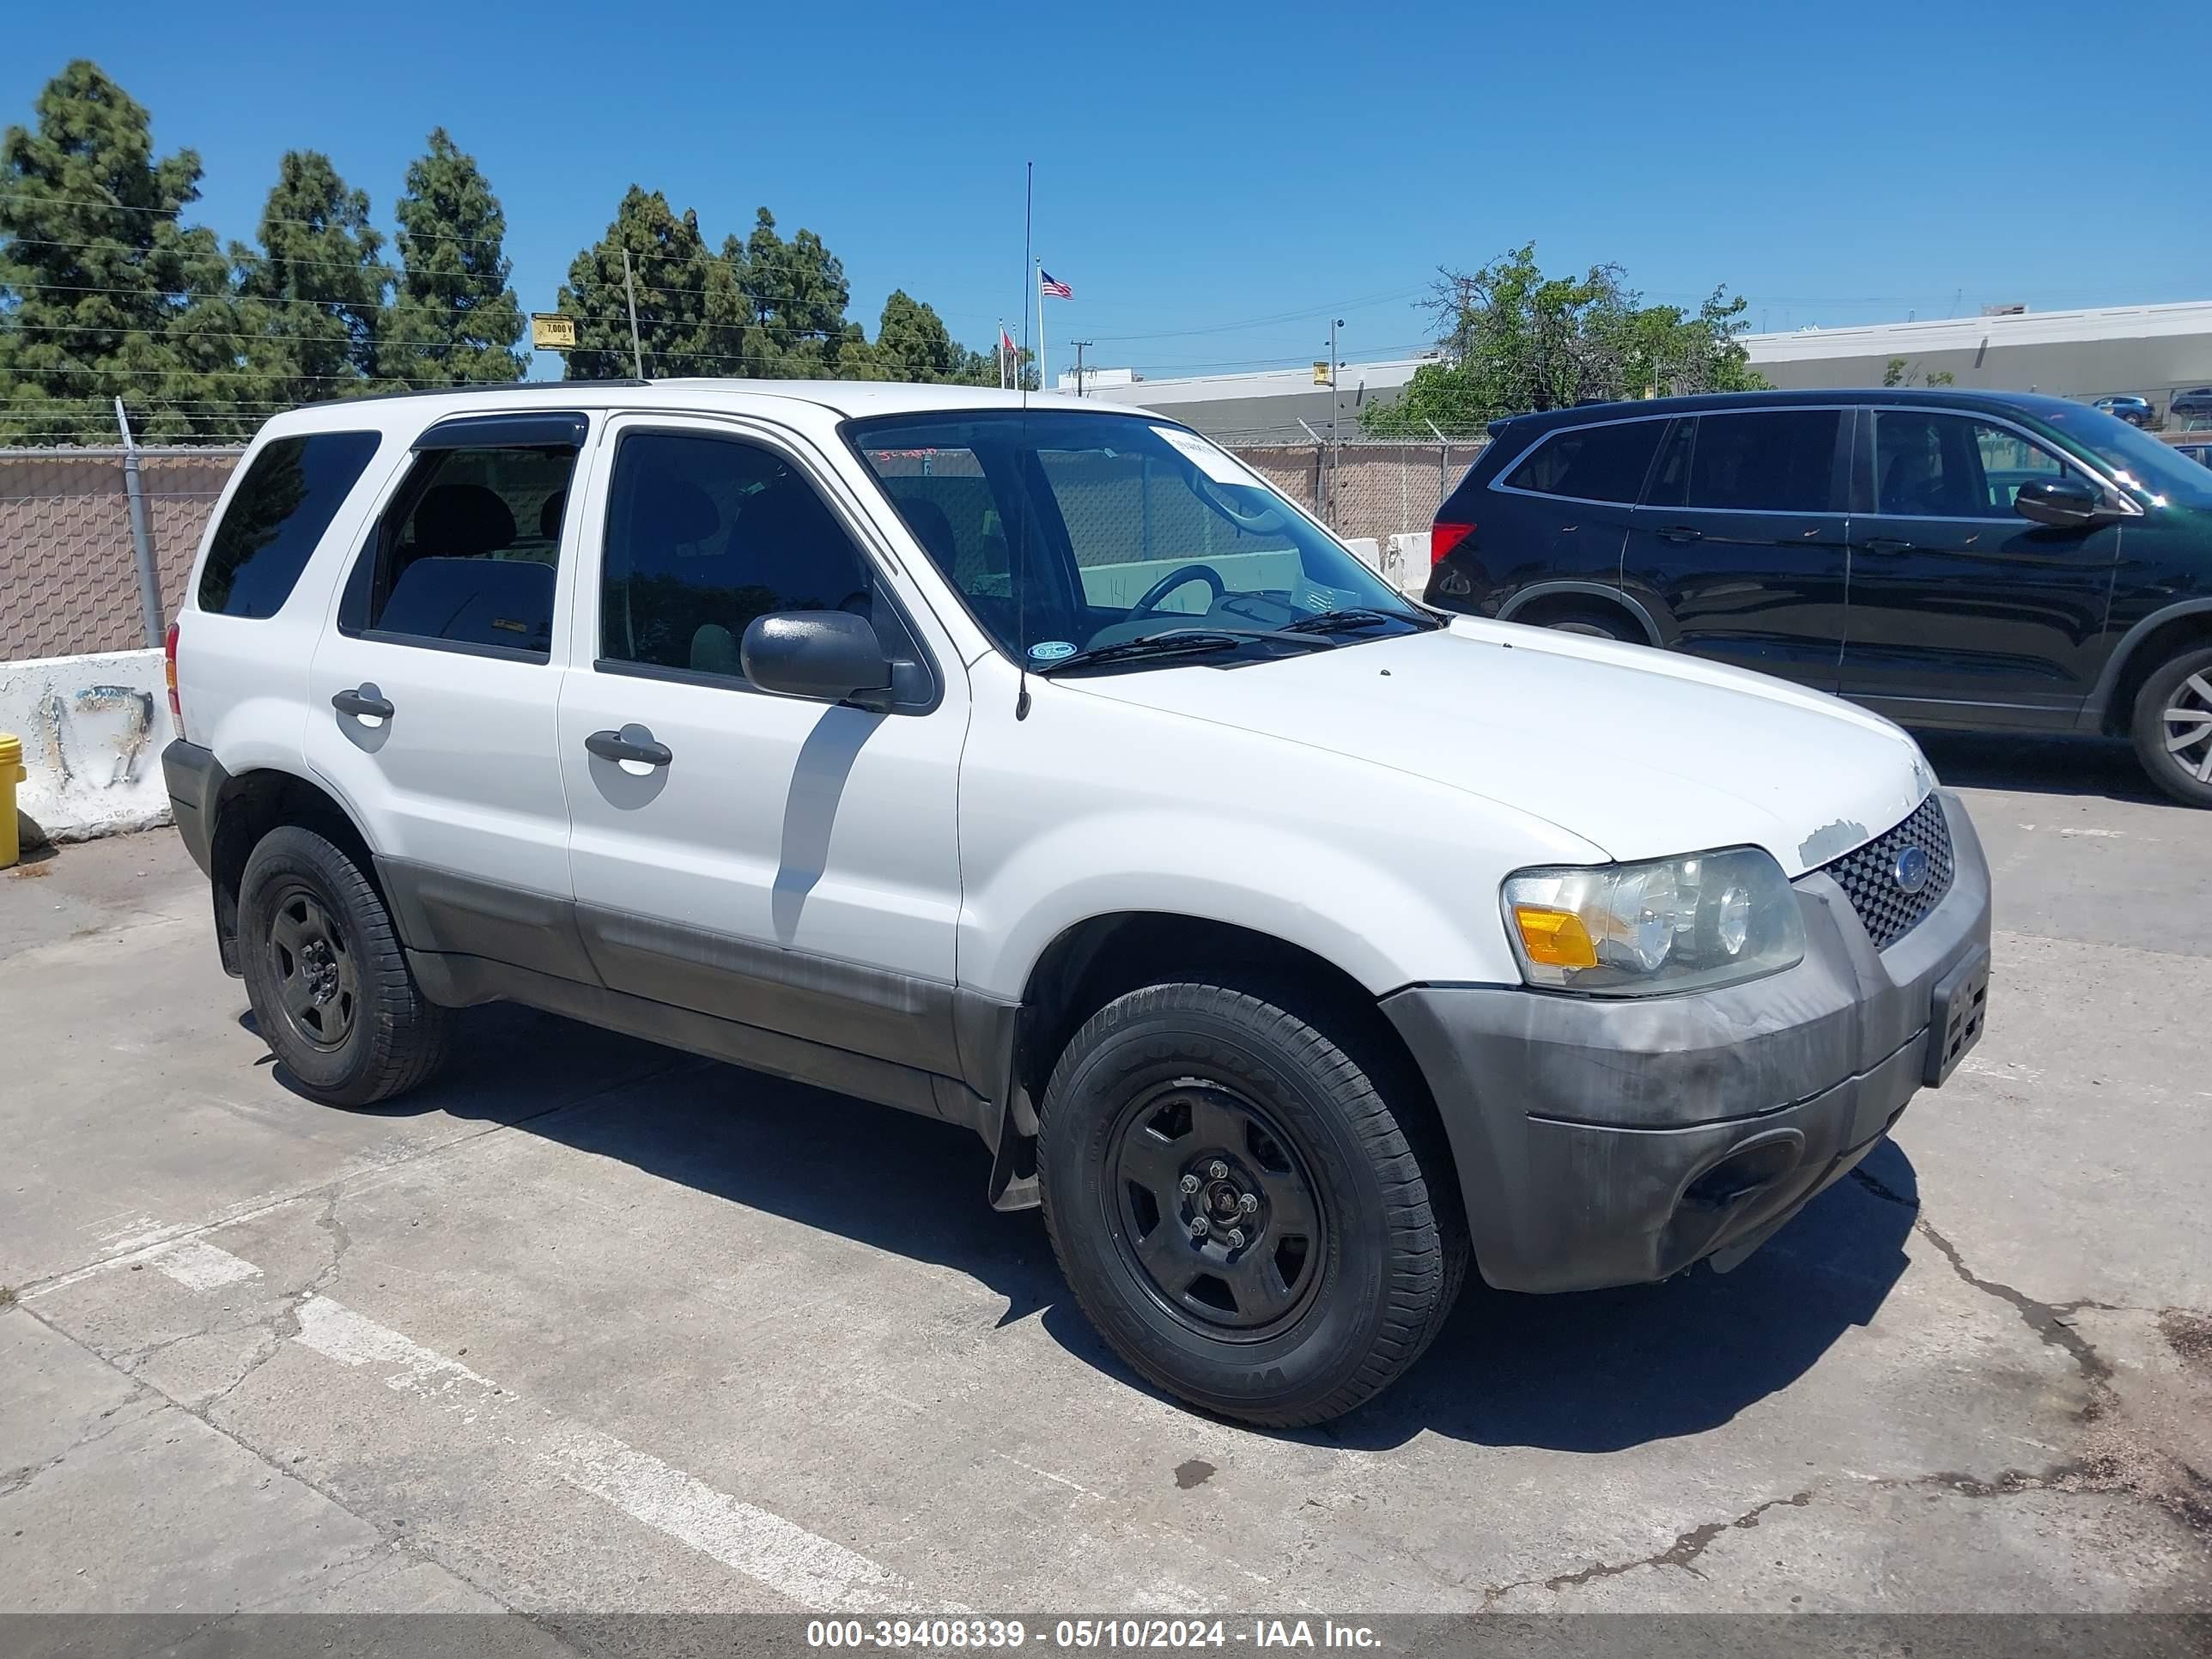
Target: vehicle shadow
point(1594, 1372)
point(2036, 765)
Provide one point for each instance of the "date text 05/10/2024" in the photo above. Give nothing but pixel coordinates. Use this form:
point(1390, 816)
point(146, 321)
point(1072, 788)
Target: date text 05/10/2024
point(934, 1634)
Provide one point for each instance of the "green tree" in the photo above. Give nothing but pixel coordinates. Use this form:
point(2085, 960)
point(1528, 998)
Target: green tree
point(797, 293)
point(1896, 372)
point(105, 293)
point(691, 319)
point(312, 297)
point(1512, 339)
point(455, 320)
point(912, 343)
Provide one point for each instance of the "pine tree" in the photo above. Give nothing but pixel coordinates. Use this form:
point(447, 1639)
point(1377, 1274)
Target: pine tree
point(312, 297)
point(912, 343)
point(797, 293)
point(689, 318)
point(455, 321)
point(97, 277)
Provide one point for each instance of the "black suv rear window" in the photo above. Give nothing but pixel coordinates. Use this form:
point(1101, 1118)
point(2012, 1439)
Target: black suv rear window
point(279, 512)
point(1592, 463)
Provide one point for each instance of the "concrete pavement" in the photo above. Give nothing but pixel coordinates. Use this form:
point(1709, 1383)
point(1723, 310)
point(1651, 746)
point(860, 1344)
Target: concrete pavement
point(589, 1325)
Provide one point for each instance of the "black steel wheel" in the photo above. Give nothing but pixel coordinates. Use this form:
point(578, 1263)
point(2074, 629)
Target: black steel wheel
point(318, 990)
point(1214, 1210)
point(332, 995)
point(1242, 1210)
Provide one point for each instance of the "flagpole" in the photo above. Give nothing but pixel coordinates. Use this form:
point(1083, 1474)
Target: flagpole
point(1043, 385)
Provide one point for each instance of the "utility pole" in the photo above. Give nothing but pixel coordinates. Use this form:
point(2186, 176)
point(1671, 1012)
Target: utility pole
point(629, 288)
point(1079, 345)
point(1334, 323)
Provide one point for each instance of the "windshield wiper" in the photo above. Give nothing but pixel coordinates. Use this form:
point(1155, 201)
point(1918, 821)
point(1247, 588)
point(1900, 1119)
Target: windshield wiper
point(1354, 617)
point(1182, 642)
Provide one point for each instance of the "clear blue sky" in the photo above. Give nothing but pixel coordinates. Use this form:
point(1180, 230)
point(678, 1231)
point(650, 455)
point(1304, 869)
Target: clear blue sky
point(1218, 181)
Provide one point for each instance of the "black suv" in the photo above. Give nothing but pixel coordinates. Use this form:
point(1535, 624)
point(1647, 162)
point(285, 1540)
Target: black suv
point(1985, 561)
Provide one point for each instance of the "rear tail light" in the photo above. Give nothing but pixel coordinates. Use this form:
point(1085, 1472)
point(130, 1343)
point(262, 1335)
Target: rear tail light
point(1443, 536)
point(169, 675)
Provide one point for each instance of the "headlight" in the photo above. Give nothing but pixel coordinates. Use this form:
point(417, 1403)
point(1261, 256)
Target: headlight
point(1680, 924)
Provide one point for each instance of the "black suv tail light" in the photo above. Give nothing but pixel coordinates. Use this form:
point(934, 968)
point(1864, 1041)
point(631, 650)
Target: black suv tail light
point(1443, 536)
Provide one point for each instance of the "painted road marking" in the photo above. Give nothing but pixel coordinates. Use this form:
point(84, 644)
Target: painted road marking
point(814, 1572)
point(200, 1265)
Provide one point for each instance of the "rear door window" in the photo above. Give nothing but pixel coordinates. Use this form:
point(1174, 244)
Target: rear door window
point(466, 556)
point(276, 517)
point(1781, 460)
point(1604, 462)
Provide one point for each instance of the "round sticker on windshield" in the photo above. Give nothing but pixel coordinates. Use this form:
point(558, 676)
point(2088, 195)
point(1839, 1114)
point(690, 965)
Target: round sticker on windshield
point(1050, 651)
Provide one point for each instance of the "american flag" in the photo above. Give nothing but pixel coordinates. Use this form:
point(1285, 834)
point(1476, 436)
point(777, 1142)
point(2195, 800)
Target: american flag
point(1046, 285)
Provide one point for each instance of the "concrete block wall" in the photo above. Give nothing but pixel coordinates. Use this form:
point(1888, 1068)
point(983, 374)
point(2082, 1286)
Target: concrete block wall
point(92, 728)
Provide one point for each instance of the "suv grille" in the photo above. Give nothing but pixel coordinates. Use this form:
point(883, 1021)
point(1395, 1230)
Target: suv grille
point(1868, 877)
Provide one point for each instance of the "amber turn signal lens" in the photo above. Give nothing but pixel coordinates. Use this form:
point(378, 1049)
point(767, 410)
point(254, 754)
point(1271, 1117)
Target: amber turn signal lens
point(1556, 939)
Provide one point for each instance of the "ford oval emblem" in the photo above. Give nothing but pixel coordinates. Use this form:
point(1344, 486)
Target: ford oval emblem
point(1910, 869)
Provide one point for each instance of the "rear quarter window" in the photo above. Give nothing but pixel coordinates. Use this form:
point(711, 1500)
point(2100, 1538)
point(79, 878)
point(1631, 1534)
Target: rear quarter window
point(276, 517)
point(1603, 463)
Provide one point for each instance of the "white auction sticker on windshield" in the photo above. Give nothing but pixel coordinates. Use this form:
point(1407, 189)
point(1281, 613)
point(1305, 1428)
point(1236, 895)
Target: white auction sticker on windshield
point(1218, 466)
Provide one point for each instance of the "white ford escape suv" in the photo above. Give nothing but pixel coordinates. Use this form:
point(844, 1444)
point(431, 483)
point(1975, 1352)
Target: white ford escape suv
point(1040, 768)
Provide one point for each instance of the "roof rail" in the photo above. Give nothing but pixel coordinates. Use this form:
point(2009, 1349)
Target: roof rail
point(483, 386)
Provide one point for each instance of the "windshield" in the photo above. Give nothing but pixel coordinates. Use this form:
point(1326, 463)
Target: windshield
point(1132, 529)
point(2143, 462)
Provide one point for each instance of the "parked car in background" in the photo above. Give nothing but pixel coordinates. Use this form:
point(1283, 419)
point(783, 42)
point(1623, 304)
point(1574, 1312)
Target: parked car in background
point(2196, 452)
point(2190, 407)
point(2136, 411)
point(1033, 765)
point(1987, 560)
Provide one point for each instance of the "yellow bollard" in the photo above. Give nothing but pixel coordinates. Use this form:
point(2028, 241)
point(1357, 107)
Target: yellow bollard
point(11, 774)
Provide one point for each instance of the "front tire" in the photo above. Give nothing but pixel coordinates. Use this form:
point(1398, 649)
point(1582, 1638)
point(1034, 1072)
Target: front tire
point(2172, 727)
point(332, 992)
point(1238, 1209)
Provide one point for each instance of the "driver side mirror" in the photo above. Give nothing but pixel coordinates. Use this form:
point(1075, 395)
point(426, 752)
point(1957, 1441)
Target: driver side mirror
point(830, 656)
point(2067, 503)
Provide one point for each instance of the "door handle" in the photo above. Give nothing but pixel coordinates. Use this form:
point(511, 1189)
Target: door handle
point(633, 744)
point(1682, 532)
point(1886, 544)
point(365, 702)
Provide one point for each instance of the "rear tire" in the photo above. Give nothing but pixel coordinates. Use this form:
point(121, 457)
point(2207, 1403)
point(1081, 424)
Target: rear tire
point(332, 992)
point(1237, 1208)
point(2172, 727)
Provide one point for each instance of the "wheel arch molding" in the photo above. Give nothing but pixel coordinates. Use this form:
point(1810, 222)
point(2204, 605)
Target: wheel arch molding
point(2136, 657)
point(245, 806)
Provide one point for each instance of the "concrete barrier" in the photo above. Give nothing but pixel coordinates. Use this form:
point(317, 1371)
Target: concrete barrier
point(1405, 562)
point(93, 730)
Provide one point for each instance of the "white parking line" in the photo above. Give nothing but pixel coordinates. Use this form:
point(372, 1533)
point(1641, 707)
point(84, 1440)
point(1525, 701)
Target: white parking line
point(2005, 1070)
point(814, 1572)
point(200, 1265)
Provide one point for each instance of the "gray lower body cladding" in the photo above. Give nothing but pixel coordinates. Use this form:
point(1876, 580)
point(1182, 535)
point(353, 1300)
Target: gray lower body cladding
point(1611, 1142)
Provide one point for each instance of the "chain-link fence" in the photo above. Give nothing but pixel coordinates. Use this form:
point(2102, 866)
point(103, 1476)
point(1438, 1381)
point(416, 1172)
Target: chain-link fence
point(1365, 487)
point(68, 565)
